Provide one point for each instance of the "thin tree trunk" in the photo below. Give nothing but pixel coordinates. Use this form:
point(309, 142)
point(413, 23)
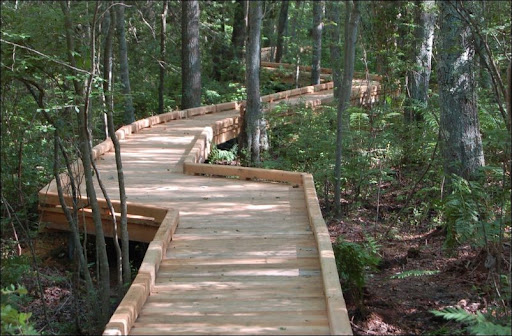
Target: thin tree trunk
point(239, 29)
point(253, 114)
point(318, 11)
point(281, 28)
point(333, 28)
point(460, 128)
point(419, 77)
point(343, 103)
point(124, 268)
point(190, 57)
point(85, 148)
point(161, 63)
point(296, 25)
point(129, 111)
point(108, 29)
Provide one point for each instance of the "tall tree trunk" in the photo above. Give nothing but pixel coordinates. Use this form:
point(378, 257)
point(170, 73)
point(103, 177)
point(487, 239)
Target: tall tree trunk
point(161, 62)
point(253, 114)
point(125, 269)
point(239, 34)
point(281, 28)
point(333, 29)
point(129, 111)
point(190, 57)
point(460, 128)
point(419, 77)
point(85, 151)
point(318, 11)
point(108, 32)
point(296, 24)
point(346, 89)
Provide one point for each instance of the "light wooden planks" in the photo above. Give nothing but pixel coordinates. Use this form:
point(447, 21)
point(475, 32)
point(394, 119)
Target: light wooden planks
point(244, 258)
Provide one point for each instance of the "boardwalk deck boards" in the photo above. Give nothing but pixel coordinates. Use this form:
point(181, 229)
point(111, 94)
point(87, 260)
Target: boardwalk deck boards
point(246, 255)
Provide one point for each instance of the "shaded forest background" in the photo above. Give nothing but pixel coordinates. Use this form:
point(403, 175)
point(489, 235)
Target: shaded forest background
point(403, 208)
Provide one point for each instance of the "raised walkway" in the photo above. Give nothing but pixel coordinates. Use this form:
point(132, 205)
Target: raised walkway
point(232, 250)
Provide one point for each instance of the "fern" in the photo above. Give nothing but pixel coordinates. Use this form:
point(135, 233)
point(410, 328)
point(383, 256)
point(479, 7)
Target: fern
point(477, 324)
point(353, 260)
point(415, 273)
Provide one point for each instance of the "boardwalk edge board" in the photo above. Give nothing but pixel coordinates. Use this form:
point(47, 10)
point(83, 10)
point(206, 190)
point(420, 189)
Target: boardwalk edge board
point(160, 223)
point(128, 310)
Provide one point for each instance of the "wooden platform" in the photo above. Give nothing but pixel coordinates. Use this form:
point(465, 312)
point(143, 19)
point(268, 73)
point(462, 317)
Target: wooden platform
point(238, 250)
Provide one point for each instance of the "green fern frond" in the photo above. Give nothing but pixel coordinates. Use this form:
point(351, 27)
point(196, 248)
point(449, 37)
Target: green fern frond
point(415, 273)
point(478, 324)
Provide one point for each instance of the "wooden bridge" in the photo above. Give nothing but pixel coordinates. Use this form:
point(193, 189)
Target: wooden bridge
point(232, 250)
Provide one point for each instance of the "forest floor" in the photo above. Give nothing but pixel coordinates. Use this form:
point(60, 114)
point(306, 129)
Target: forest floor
point(403, 306)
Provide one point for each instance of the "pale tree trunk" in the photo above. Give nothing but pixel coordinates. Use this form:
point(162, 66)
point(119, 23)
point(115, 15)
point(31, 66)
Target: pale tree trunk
point(419, 77)
point(161, 63)
point(281, 28)
point(108, 32)
point(124, 255)
point(239, 34)
point(459, 125)
point(253, 114)
point(129, 111)
point(351, 26)
point(332, 13)
point(296, 24)
point(190, 57)
point(318, 11)
point(85, 151)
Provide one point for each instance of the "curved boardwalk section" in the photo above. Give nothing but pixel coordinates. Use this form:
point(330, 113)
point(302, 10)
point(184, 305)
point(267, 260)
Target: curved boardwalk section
point(238, 250)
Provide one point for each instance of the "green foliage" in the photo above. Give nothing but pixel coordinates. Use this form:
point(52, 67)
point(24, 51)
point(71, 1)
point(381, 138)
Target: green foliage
point(354, 260)
point(470, 215)
point(12, 267)
point(477, 324)
point(414, 273)
point(13, 321)
point(218, 155)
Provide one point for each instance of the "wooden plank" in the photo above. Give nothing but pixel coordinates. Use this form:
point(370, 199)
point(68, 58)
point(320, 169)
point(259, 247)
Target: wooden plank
point(242, 294)
point(243, 172)
point(234, 305)
point(220, 317)
point(204, 329)
point(336, 307)
point(58, 221)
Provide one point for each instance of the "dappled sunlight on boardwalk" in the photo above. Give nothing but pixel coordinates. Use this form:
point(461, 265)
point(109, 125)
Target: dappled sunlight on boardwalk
point(239, 250)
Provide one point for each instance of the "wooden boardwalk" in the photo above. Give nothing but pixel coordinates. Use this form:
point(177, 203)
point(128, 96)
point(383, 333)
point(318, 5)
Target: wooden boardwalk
point(238, 250)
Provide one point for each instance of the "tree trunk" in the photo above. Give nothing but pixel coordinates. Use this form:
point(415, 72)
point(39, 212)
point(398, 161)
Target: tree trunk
point(253, 114)
point(419, 77)
point(125, 270)
point(349, 59)
point(318, 11)
point(239, 29)
point(108, 32)
point(85, 151)
point(333, 29)
point(129, 111)
point(460, 128)
point(281, 28)
point(190, 57)
point(161, 62)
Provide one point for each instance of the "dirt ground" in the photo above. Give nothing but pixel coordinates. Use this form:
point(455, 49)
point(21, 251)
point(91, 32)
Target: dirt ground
point(402, 306)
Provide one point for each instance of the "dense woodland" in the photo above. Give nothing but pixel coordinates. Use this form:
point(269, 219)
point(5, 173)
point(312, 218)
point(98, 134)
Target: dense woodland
point(415, 188)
